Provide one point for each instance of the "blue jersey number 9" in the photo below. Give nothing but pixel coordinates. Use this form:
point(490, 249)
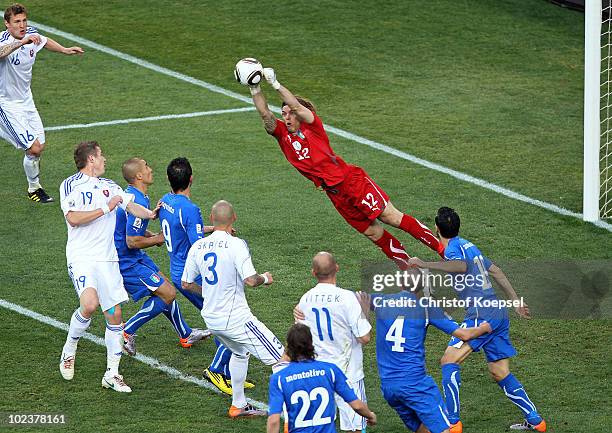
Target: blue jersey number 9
point(166, 231)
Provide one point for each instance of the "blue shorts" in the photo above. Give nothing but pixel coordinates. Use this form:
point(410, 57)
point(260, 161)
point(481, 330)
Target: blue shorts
point(142, 278)
point(496, 345)
point(417, 404)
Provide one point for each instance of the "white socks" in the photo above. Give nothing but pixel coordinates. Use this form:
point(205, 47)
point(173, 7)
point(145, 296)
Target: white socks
point(112, 337)
point(78, 326)
point(31, 166)
point(238, 367)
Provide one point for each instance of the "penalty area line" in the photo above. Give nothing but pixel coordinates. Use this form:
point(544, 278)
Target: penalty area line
point(151, 362)
point(150, 119)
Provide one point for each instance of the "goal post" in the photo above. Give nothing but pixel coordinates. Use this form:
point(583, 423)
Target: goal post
point(596, 98)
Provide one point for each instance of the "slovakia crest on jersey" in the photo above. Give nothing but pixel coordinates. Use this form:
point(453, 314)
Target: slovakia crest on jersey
point(106, 192)
point(31, 53)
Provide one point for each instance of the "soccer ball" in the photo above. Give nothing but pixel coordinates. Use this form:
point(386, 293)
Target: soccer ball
point(248, 72)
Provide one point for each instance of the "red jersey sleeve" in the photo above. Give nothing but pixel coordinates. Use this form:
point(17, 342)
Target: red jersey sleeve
point(280, 130)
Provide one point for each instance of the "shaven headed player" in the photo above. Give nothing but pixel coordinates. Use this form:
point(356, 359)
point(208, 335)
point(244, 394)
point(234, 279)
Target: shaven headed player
point(340, 328)
point(463, 258)
point(141, 276)
point(360, 201)
point(401, 327)
point(307, 387)
point(89, 203)
point(182, 225)
point(20, 123)
point(224, 263)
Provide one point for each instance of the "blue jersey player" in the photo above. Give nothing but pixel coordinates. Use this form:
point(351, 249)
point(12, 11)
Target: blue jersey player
point(182, 225)
point(141, 276)
point(471, 272)
point(307, 387)
point(402, 320)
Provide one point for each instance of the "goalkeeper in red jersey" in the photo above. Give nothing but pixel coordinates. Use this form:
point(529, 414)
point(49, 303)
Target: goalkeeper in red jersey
point(360, 201)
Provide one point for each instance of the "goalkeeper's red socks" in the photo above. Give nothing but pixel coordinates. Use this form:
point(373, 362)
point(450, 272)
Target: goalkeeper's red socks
point(421, 232)
point(393, 249)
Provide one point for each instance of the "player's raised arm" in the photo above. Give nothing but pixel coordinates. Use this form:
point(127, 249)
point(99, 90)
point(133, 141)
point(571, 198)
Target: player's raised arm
point(140, 211)
point(501, 279)
point(7, 49)
point(81, 217)
point(56, 47)
point(303, 114)
point(269, 120)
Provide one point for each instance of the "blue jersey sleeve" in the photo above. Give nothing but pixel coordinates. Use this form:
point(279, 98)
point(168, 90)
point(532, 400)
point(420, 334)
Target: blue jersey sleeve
point(275, 398)
point(135, 226)
point(194, 226)
point(487, 262)
point(439, 319)
point(454, 252)
point(341, 385)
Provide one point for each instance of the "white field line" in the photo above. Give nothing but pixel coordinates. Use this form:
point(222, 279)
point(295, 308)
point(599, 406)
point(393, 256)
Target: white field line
point(345, 134)
point(149, 119)
point(151, 362)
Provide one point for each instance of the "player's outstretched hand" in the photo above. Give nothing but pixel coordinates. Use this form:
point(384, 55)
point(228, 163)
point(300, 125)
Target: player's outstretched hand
point(486, 326)
point(415, 262)
point(298, 315)
point(156, 210)
point(73, 50)
point(159, 239)
point(372, 419)
point(523, 311)
point(270, 77)
point(112, 204)
point(31, 39)
point(268, 275)
point(365, 300)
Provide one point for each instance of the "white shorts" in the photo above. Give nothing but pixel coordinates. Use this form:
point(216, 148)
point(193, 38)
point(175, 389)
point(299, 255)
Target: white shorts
point(21, 127)
point(349, 419)
point(252, 338)
point(104, 277)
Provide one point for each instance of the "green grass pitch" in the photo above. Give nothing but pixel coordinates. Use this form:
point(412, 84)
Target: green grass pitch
point(489, 88)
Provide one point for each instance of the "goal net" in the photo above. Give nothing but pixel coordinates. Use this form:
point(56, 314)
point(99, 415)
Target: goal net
point(597, 197)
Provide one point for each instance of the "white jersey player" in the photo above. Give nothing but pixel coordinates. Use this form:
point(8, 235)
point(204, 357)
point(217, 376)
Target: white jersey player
point(89, 203)
point(20, 123)
point(224, 262)
point(339, 329)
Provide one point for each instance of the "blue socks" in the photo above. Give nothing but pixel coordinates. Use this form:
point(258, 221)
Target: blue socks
point(517, 395)
point(151, 308)
point(220, 363)
point(173, 313)
point(451, 382)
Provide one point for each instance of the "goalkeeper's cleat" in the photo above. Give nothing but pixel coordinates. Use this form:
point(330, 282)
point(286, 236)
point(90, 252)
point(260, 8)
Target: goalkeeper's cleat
point(247, 411)
point(129, 343)
point(220, 381)
point(115, 382)
point(526, 425)
point(40, 196)
point(456, 428)
point(195, 336)
point(66, 366)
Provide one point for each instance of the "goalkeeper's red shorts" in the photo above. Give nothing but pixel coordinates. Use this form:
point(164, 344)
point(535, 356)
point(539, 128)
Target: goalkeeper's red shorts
point(358, 199)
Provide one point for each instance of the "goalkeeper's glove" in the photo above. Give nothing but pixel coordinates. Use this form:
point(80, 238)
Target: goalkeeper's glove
point(270, 77)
